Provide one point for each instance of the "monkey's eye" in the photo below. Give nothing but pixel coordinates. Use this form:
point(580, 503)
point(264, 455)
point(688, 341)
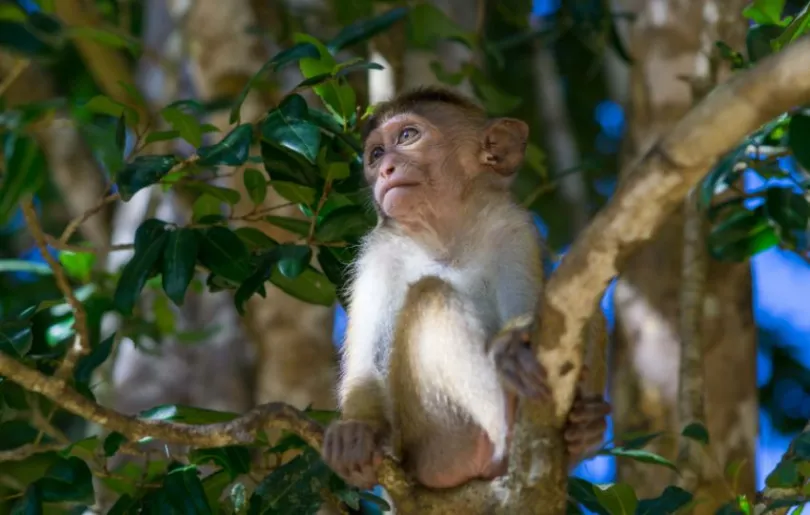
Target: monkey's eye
point(375, 154)
point(407, 134)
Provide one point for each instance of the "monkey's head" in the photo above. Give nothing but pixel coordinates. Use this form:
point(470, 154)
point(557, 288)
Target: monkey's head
point(427, 150)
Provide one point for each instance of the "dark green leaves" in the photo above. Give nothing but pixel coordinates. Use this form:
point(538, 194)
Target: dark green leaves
point(15, 337)
point(696, 431)
point(741, 234)
point(799, 138)
point(639, 455)
point(225, 254)
point(87, 364)
point(69, 479)
point(232, 150)
point(24, 172)
point(179, 259)
point(669, 502)
point(288, 126)
point(294, 487)
point(233, 459)
point(143, 171)
point(150, 239)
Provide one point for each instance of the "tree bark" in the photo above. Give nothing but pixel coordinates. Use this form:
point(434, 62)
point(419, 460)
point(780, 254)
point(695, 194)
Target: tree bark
point(666, 44)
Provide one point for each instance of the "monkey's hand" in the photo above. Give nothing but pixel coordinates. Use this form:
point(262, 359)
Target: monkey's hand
point(516, 362)
point(586, 425)
point(352, 450)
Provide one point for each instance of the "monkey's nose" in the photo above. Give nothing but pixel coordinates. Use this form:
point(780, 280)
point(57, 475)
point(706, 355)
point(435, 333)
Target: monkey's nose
point(388, 170)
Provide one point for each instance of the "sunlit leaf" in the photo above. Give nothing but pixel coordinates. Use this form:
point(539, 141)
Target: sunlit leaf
point(289, 127)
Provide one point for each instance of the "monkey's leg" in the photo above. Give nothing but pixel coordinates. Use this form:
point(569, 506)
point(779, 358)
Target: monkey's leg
point(449, 405)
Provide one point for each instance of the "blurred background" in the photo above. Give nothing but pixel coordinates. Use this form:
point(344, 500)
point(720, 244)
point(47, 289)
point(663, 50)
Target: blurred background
point(597, 80)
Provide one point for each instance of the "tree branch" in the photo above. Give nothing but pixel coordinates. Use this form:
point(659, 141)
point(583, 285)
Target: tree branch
point(655, 186)
point(81, 341)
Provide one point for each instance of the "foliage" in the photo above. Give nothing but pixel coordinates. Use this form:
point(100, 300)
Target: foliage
point(310, 155)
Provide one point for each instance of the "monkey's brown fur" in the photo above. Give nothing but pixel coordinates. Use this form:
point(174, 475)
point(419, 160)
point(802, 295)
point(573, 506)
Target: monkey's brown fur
point(452, 259)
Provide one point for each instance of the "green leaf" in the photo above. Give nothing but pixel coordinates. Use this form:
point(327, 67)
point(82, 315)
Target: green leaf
point(69, 479)
point(24, 172)
point(77, 264)
point(185, 492)
point(214, 485)
point(149, 241)
point(764, 12)
point(113, 442)
point(227, 195)
point(291, 55)
point(343, 70)
point(310, 286)
point(758, 41)
point(696, 431)
point(669, 502)
point(179, 259)
point(618, 498)
point(121, 133)
point(105, 37)
point(338, 96)
point(187, 414)
point(785, 475)
point(295, 226)
point(31, 502)
point(336, 268)
point(16, 338)
point(255, 239)
point(187, 125)
point(143, 171)
point(294, 192)
point(105, 105)
point(206, 206)
point(801, 446)
point(83, 372)
point(293, 259)
point(232, 150)
point(363, 30)
point(293, 487)
point(721, 176)
point(223, 253)
point(428, 25)
point(234, 459)
point(256, 185)
point(787, 208)
point(495, 101)
point(799, 138)
point(337, 171)
point(287, 165)
point(289, 127)
point(639, 455)
point(584, 492)
point(156, 136)
point(741, 234)
point(344, 224)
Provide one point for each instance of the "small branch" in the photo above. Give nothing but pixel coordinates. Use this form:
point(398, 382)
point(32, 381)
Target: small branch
point(26, 451)
point(82, 339)
point(74, 224)
point(13, 75)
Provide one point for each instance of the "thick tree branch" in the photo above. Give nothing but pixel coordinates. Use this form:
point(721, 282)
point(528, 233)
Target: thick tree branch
point(655, 186)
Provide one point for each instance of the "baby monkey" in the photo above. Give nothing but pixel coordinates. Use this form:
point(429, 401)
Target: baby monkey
point(452, 259)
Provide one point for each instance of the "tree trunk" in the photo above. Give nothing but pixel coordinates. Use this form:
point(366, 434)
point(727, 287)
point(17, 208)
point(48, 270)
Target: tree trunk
point(668, 41)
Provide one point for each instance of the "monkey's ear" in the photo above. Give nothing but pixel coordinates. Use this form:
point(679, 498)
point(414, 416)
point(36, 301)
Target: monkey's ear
point(503, 144)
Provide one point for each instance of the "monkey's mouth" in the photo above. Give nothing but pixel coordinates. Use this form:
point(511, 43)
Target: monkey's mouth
point(396, 185)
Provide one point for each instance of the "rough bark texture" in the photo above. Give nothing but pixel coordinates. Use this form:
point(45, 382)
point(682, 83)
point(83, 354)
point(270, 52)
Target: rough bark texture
point(666, 42)
point(296, 358)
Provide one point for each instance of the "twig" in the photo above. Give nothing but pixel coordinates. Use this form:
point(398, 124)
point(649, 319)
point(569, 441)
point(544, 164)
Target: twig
point(25, 451)
point(13, 75)
point(82, 339)
point(74, 224)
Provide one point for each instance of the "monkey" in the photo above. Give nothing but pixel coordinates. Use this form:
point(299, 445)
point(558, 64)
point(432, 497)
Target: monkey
point(426, 371)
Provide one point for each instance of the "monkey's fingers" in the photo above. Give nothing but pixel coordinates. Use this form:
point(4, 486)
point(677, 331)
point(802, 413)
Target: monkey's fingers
point(587, 409)
point(582, 438)
point(524, 379)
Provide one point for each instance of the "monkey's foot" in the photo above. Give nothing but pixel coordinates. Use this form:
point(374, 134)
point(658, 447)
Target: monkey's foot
point(586, 424)
point(350, 449)
point(517, 364)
